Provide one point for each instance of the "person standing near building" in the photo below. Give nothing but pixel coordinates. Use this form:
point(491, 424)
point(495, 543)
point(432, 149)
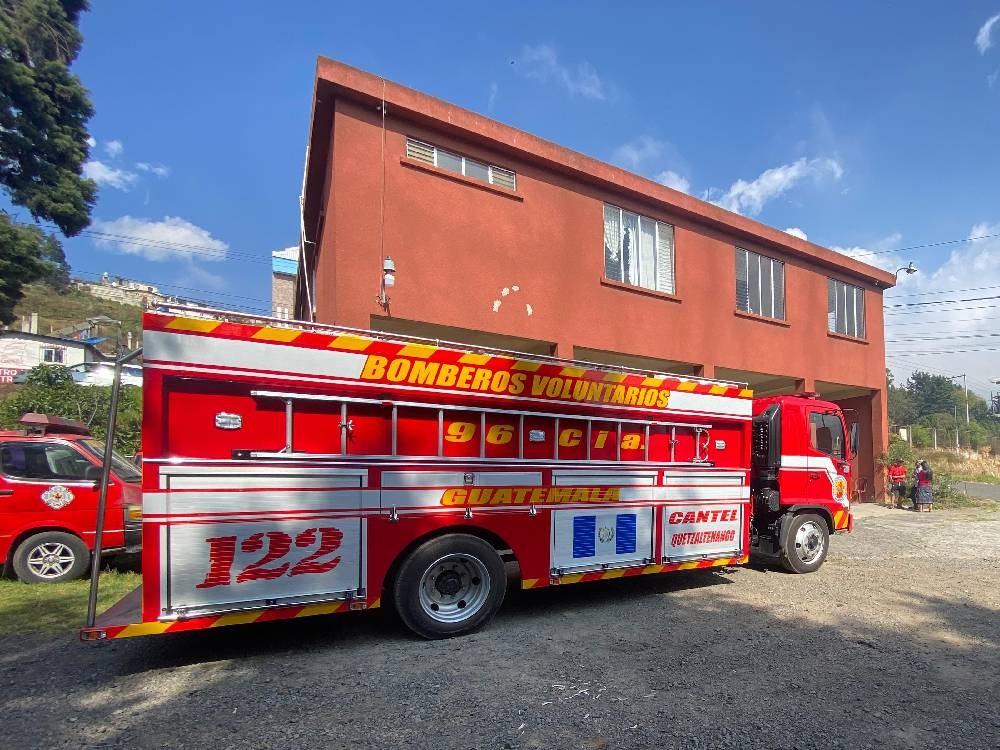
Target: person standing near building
point(922, 498)
point(897, 483)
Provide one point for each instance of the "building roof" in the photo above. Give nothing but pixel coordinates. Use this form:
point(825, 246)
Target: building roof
point(285, 261)
point(42, 338)
point(335, 79)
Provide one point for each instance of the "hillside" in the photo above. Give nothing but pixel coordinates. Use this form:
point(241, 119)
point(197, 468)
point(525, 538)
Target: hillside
point(61, 308)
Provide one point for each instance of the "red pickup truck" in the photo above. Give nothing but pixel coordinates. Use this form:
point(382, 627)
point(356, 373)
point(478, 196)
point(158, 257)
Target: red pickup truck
point(49, 476)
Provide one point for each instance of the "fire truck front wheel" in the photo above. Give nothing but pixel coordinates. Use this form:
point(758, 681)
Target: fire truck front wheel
point(449, 586)
point(806, 544)
point(51, 557)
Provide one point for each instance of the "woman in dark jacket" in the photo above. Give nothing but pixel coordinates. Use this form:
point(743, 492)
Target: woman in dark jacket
point(923, 476)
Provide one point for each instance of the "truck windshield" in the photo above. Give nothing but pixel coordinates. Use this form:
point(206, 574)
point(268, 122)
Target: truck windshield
point(122, 467)
point(827, 432)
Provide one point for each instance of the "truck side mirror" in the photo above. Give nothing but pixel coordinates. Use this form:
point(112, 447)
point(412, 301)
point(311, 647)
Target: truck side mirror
point(854, 440)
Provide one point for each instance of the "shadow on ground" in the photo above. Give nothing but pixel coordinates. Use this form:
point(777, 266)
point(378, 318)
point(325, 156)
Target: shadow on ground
point(684, 661)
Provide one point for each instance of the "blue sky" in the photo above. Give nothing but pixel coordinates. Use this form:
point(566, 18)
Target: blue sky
point(868, 127)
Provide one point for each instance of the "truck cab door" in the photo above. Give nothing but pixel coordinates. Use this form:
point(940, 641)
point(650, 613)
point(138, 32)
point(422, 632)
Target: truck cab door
point(827, 459)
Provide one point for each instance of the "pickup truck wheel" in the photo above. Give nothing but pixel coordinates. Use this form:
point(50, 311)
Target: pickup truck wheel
point(806, 544)
point(51, 557)
point(449, 586)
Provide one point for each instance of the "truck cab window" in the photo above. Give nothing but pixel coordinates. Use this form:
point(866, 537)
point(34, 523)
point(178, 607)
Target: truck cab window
point(827, 434)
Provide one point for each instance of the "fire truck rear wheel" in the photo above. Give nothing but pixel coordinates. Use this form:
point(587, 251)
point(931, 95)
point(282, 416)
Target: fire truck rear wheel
point(51, 557)
point(806, 544)
point(449, 586)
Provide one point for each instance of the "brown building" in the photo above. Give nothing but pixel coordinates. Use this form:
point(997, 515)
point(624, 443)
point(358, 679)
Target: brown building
point(501, 238)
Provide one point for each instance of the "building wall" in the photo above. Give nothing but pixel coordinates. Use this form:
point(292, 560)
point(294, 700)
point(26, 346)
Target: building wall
point(282, 295)
point(18, 354)
point(458, 244)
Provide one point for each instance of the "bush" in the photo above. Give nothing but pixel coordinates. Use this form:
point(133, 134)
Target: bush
point(50, 389)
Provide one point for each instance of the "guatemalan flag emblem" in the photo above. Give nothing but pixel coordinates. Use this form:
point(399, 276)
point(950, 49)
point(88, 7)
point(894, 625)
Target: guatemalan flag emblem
point(593, 537)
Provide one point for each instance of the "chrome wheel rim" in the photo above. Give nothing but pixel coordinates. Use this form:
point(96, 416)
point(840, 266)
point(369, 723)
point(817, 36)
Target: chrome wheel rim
point(51, 560)
point(809, 542)
point(454, 588)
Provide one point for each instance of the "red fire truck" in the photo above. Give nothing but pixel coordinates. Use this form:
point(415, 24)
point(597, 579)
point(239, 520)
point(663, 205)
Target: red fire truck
point(293, 470)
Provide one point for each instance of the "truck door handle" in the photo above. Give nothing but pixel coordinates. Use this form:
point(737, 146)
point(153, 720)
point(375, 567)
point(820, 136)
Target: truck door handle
point(813, 475)
point(6, 492)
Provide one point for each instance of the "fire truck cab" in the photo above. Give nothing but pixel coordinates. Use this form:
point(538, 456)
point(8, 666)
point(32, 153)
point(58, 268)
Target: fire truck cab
point(799, 479)
point(49, 475)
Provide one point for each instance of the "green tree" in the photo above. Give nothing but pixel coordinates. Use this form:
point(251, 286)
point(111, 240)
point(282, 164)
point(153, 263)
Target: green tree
point(44, 111)
point(902, 410)
point(933, 393)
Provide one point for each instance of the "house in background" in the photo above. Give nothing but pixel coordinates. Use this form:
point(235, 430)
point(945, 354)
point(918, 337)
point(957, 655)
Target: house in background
point(503, 239)
point(22, 350)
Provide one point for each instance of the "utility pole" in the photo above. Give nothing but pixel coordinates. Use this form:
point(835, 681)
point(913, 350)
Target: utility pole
point(965, 382)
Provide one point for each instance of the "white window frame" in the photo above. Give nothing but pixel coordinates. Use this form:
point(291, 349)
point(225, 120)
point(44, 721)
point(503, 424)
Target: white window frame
point(656, 255)
point(490, 168)
point(842, 291)
point(760, 284)
point(53, 351)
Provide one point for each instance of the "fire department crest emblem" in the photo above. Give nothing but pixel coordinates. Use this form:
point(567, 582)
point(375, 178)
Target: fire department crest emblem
point(839, 489)
point(57, 496)
point(605, 534)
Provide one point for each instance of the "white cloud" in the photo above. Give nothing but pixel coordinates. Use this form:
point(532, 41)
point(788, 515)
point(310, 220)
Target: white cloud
point(113, 148)
point(169, 238)
point(984, 36)
point(91, 141)
point(796, 232)
point(991, 79)
point(104, 174)
point(638, 152)
point(673, 180)
point(494, 92)
point(542, 63)
point(160, 170)
point(745, 197)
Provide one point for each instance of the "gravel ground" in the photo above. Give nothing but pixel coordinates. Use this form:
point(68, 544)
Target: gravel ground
point(894, 643)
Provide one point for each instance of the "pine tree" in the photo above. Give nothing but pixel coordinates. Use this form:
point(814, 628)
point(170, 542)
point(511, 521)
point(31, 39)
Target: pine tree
point(44, 110)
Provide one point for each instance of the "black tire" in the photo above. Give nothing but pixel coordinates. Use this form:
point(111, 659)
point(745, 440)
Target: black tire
point(71, 555)
point(806, 544)
point(467, 589)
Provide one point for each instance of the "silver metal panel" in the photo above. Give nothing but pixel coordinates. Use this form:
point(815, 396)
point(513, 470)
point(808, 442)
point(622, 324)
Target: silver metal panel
point(708, 531)
point(586, 478)
point(423, 479)
point(508, 478)
point(605, 538)
point(702, 478)
point(193, 502)
point(189, 560)
point(182, 476)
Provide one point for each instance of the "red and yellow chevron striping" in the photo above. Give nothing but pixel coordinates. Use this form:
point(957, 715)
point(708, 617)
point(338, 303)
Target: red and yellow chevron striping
point(360, 344)
point(221, 621)
point(606, 575)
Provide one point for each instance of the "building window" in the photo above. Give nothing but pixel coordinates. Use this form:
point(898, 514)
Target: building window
point(845, 309)
point(477, 170)
point(760, 284)
point(52, 355)
point(638, 250)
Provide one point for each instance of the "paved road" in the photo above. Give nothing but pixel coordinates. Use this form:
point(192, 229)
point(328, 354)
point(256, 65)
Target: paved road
point(894, 643)
point(980, 489)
